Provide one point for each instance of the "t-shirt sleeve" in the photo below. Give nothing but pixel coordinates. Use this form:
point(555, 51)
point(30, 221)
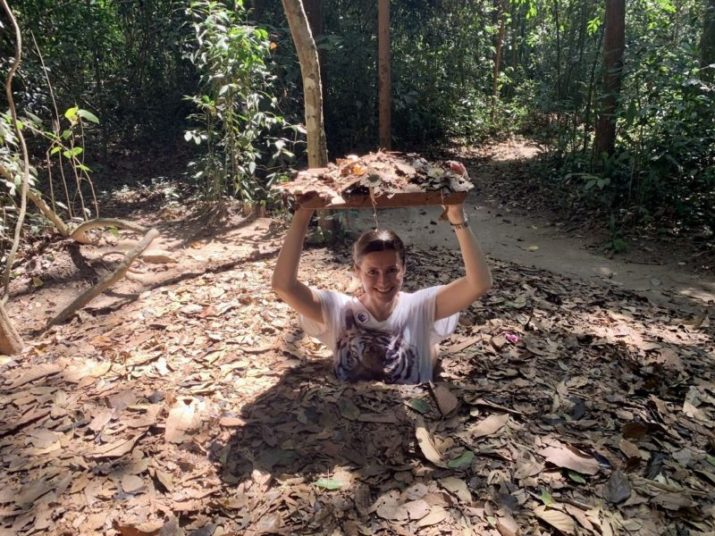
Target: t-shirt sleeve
point(443, 327)
point(331, 303)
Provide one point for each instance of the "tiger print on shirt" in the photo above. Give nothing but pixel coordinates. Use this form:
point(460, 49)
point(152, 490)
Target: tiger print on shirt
point(368, 354)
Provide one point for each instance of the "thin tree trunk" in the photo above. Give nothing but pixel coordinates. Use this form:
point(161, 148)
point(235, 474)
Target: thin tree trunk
point(589, 96)
point(384, 82)
point(557, 27)
point(707, 42)
point(498, 54)
point(312, 87)
point(613, 47)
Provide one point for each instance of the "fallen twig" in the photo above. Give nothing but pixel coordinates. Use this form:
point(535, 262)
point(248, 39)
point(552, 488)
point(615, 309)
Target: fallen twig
point(107, 281)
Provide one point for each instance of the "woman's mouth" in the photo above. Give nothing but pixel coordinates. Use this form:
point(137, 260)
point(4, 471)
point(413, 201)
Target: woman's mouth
point(386, 291)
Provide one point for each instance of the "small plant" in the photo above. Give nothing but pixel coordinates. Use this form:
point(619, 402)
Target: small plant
point(616, 243)
point(237, 118)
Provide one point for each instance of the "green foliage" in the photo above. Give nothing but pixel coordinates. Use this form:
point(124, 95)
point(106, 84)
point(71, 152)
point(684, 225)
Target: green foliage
point(237, 119)
point(63, 156)
point(132, 63)
point(123, 59)
point(663, 167)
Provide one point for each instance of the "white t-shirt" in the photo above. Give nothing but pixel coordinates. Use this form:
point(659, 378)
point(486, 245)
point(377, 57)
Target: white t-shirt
point(400, 349)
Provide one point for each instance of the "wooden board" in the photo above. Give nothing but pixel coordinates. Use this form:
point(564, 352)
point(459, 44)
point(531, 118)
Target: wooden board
point(400, 199)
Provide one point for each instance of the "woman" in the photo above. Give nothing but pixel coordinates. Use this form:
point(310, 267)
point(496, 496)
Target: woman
point(384, 334)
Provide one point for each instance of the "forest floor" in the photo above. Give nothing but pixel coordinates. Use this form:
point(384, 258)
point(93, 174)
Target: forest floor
point(187, 400)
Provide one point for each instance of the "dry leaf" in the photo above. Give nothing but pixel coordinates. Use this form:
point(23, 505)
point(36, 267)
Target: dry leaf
point(115, 449)
point(362, 499)
point(617, 488)
point(417, 509)
point(579, 515)
point(101, 418)
point(37, 372)
point(132, 483)
point(565, 457)
point(165, 479)
point(424, 440)
point(122, 400)
point(392, 511)
point(446, 401)
point(507, 526)
point(457, 487)
point(437, 515)
point(560, 521)
point(30, 493)
point(490, 425)
point(231, 422)
point(348, 409)
point(673, 501)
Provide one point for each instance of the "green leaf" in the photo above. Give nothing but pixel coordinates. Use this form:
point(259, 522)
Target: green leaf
point(114, 232)
point(576, 477)
point(420, 405)
point(329, 484)
point(71, 113)
point(56, 149)
point(71, 153)
point(546, 497)
point(462, 461)
point(89, 116)
point(34, 118)
point(710, 459)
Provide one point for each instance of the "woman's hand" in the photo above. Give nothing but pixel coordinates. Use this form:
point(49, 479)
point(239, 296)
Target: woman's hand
point(455, 213)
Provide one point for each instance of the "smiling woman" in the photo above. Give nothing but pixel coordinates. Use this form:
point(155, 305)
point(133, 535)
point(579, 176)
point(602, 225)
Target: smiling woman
point(384, 334)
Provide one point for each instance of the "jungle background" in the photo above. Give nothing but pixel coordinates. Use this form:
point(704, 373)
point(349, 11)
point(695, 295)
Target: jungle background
point(185, 398)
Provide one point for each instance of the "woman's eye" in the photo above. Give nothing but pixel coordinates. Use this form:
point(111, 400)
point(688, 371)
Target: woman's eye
point(372, 273)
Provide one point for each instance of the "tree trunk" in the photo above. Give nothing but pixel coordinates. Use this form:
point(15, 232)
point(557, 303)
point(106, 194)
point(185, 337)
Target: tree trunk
point(497, 56)
point(384, 82)
point(312, 87)
point(707, 42)
point(613, 47)
point(10, 341)
point(557, 28)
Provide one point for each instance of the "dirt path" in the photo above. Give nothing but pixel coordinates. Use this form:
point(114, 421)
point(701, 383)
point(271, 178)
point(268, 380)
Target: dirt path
point(535, 240)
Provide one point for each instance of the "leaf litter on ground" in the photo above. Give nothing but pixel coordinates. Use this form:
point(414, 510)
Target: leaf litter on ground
point(203, 407)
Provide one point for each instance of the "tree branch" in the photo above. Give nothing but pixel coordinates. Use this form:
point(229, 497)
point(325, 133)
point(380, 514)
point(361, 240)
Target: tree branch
point(106, 282)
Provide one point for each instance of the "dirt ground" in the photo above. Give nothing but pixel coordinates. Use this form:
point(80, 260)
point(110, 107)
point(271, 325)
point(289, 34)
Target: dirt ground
point(577, 397)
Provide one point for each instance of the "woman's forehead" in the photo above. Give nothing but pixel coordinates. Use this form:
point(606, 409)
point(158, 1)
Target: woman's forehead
point(383, 258)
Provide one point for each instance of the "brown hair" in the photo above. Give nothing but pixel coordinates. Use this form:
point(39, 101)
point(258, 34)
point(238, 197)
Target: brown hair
point(378, 240)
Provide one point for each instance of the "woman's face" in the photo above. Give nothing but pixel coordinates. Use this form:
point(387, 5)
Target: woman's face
point(381, 274)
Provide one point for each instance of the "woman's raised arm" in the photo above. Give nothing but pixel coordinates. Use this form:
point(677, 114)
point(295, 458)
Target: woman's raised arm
point(460, 293)
point(285, 275)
